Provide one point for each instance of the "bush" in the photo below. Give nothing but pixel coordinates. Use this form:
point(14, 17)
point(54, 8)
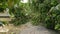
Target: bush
point(47, 12)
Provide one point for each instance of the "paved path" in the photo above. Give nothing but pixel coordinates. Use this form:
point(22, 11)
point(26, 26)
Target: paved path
point(36, 30)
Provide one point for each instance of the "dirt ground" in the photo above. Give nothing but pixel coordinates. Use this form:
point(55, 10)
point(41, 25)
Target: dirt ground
point(28, 29)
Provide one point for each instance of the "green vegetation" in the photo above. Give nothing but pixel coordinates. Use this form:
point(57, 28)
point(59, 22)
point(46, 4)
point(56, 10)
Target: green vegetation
point(46, 13)
point(37, 11)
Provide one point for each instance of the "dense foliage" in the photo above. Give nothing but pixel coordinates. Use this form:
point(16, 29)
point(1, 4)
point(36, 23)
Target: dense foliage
point(47, 12)
point(44, 12)
point(16, 10)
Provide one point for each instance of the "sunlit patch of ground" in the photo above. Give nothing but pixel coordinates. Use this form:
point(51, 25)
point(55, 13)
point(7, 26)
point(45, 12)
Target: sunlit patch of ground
point(27, 29)
point(13, 29)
